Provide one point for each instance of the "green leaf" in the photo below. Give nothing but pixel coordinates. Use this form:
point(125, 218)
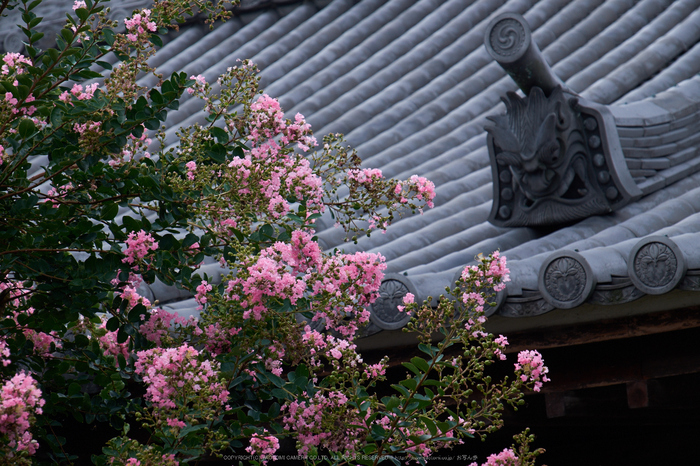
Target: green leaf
point(73, 388)
point(411, 384)
point(104, 64)
point(401, 389)
point(82, 13)
point(156, 40)
point(429, 424)
point(421, 364)
point(26, 128)
point(217, 153)
point(156, 97)
point(152, 123)
point(411, 367)
point(56, 117)
point(112, 324)
point(428, 349)
point(378, 433)
point(391, 403)
point(109, 36)
point(67, 35)
point(220, 134)
point(109, 211)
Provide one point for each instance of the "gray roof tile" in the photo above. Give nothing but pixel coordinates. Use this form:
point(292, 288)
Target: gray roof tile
point(411, 85)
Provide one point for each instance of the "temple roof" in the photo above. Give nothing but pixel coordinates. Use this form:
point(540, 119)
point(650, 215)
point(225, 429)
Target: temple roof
point(411, 84)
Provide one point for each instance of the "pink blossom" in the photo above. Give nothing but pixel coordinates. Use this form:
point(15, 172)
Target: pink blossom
point(20, 401)
point(201, 296)
point(14, 60)
point(138, 246)
point(175, 423)
point(407, 300)
point(79, 4)
point(531, 364)
point(174, 375)
point(191, 168)
point(365, 175)
point(264, 446)
point(161, 323)
point(4, 352)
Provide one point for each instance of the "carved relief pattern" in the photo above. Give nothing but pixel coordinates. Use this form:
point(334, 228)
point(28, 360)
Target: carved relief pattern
point(525, 308)
point(655, 265)
point(691, 281)
point(507, 37)
point(385, 308)
point(616, 296)
point(548, 161)
point(565, 279)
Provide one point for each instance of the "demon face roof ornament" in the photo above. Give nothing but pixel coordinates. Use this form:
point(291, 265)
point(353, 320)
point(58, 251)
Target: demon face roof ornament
point(555, 157)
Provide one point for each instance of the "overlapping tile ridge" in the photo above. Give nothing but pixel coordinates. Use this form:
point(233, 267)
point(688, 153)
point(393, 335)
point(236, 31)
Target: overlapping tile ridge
point(411, 85)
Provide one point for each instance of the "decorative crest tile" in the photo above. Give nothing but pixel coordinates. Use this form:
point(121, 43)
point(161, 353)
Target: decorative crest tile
point(656, 265)
point(384, 312)
point(555, 158)
point(566, 279)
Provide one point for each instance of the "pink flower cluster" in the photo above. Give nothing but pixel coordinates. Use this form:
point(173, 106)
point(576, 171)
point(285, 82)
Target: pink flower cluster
point(87, 127)
point(424, 189)
point(191, 168)
point(110, 344)
point(173, 376)
point(4, 352)
point(79, 93)
point(365, 175)
point(505, 458)
point(21, 400)
point(42, 341)
point(338, 351)
point(263, 446)
point(161, 323)
point(324, 421)
point(201, 296)
point(502, 342)
point(138, 246)
point(138, 24)
point(267, 121)
point(54, 194)
point(495, 275)
point(79, 4)
point(15, 60)
point(533, 369)
point(199, 84)
point(407, 300)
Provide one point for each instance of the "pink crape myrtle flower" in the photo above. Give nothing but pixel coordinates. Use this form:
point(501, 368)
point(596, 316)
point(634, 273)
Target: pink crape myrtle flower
point(407, 299)
point(505, 458)
point(502, 342)
point(161, 322)
point(199, 84)
point(533, 368)
point(314, 421)
point(201, 296)
point(4, 352)
point(15, 60)
point(191, 168)
point(79, 4)
point(263, 446)
point(20, 400)
point(173, 376)
point(138, 246)
point(138, 25)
